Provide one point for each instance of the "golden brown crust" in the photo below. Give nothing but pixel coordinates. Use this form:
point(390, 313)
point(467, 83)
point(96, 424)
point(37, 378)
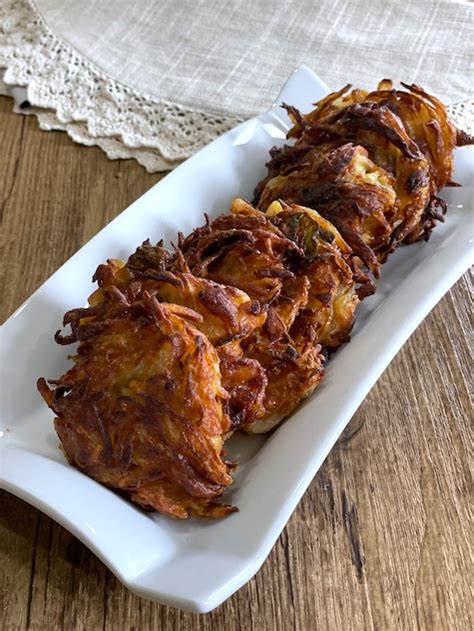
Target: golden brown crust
point(293, 368)
point(227, 316)
point(407, 133)
point(345, 186)
point(303, 273)
point(241, 250)
point(396, 159)
point(329, 272)
point(142, 409)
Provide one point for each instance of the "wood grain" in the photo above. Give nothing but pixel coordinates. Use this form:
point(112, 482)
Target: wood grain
point(381, 540)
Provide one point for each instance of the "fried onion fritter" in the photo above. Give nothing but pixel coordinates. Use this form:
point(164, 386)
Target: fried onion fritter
point(228, 316)
point(407, 134)
point(382, 134)
point(245, 250)
point(300, 268)
point(349, 190)
point(142, 409)
point(292, 245)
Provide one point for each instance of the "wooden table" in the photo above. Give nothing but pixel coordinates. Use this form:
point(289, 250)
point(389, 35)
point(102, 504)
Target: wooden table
point(380, 539)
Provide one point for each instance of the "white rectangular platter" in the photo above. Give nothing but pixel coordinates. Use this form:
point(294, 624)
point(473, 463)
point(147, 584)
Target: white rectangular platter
point(197, 565)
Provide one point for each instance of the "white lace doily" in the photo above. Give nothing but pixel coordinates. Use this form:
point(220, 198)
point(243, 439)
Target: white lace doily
point(68, 92)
